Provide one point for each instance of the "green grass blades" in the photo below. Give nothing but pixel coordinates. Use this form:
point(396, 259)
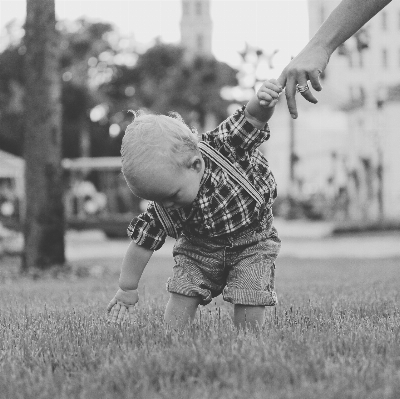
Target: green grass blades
point(334, 334)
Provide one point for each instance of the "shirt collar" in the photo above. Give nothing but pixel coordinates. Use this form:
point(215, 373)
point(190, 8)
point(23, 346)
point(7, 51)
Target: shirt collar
point(206, 174)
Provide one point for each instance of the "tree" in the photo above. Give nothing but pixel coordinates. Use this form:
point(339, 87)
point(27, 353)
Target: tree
point(11, 94)
point(165, 79)
point(44, 221)
point(102, 71)
point(82, 47)
point(86, 59)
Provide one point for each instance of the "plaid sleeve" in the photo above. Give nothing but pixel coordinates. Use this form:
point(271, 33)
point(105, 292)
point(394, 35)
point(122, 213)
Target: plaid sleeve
point(237, 132)
point(145, 231)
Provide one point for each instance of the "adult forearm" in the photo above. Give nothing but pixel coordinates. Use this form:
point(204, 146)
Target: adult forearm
point(346, 19)
point(135, 260)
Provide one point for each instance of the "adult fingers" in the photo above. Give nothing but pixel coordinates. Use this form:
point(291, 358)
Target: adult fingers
point(315, 83)
point(291, 88)
point(308, 95)
point(290, 93)
point(314, 79)
point(282, 79)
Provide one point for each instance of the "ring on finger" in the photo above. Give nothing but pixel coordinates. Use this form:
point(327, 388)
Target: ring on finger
point(302, 89)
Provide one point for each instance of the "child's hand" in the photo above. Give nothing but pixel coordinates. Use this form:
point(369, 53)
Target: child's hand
point(122, 305)
point(269, 93)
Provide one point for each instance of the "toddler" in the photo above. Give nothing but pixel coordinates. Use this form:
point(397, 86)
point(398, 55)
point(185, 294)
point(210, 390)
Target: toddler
point(214, 196)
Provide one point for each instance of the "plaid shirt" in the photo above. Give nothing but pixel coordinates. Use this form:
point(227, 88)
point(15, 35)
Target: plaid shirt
point(221, 206)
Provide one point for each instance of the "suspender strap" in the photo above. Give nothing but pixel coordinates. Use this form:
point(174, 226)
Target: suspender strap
point(227, 166)
point(233, 172)
point(166, 221)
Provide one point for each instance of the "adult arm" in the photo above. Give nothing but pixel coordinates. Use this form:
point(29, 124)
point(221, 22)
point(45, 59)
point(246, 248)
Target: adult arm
point(346, 19)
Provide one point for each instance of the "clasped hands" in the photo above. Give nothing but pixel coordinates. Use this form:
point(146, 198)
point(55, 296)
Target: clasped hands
point(306, 66)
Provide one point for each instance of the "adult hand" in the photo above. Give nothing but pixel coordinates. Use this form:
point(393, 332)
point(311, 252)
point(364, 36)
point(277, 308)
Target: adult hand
point(306, 66)
point(121, 306)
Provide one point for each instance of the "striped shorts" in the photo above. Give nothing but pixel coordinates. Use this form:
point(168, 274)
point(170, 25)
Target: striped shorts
point(241, 266)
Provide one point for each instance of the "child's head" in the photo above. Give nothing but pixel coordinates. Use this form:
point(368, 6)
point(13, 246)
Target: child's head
point(161, 161)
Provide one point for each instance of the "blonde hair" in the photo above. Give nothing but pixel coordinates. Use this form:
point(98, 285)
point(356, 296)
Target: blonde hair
point(151, 137)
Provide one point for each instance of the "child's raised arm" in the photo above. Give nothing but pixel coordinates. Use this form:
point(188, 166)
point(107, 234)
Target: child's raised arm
point(261, 107)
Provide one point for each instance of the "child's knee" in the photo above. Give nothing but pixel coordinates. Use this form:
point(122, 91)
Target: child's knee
point(249, 316)
point(185, 300)
point(180, 310)
point(182, 305)
point(249, 309)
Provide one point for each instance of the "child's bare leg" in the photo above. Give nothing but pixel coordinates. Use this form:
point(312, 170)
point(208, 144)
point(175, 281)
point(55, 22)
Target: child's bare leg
point(180, 310)
point(252, 317)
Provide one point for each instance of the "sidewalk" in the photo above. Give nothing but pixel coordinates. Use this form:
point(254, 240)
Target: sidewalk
point(303, 229)
point(305, 239)
point(300, 239)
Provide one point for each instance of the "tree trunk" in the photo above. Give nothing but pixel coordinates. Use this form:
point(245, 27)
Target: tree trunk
point(44, 220)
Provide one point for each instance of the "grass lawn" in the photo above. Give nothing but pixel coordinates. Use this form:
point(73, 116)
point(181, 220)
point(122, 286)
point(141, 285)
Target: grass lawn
point(334, 334)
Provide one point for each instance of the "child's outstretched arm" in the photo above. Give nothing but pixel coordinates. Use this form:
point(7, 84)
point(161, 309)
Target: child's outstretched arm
point(261, 107)
point(135, 260)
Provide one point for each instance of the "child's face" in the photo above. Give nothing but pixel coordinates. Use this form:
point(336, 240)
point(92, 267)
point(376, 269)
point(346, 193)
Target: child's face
point(171, 186)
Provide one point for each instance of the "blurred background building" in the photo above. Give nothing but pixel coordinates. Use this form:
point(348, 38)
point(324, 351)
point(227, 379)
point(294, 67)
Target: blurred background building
point(196, 26)
point(363, 81)
point(345, 148)
point(337, 161)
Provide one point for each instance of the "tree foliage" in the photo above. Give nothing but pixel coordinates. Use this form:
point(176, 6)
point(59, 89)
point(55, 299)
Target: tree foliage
point(103, 71)
point(165, 78)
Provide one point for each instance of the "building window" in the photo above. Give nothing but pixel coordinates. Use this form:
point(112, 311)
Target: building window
point(200, 42)
point(198, 8)
point(384, 58)
point(384, 20)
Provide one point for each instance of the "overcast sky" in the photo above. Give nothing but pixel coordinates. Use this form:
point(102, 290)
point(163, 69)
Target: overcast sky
point(266, 24)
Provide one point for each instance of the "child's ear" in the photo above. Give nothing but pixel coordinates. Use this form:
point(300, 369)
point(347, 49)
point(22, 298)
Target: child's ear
point(196, 163)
